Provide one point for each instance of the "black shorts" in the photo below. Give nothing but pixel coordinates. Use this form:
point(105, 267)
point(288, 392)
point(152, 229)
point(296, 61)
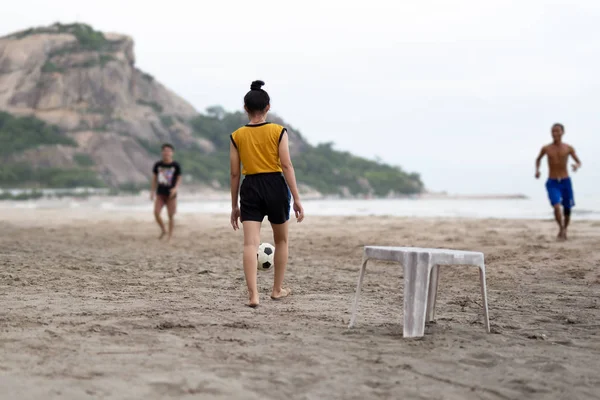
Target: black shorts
point(265, 194)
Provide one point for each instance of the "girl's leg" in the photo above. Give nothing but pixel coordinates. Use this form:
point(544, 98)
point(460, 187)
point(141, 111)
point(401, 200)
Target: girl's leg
point(280, 237)
point(251, 242)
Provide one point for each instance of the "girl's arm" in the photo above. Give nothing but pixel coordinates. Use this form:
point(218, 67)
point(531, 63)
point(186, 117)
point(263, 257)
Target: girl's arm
point(290, 175)
point(234, 161)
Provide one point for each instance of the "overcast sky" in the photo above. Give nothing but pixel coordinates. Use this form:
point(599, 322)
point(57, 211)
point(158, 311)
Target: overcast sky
point(463, 92)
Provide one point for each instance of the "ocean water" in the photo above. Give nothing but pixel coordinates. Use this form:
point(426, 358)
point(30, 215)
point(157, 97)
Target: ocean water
point(586, 208)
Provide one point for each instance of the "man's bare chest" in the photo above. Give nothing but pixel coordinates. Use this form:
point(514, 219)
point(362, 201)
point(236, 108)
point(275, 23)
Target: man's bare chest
point(558, 154)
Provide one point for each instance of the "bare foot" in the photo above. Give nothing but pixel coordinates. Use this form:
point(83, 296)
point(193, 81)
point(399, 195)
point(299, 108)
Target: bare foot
point(561, 235)
point(565, 234)
point(282, 294)
point(162, 235)
point(253, 300)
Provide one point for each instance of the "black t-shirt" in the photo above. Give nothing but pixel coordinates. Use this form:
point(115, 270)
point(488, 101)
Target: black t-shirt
point(166, 175)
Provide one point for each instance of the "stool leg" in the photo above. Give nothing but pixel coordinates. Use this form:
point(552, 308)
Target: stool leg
point(484, 296)
point(433, 287)
point(363, 269)
point(417, 269)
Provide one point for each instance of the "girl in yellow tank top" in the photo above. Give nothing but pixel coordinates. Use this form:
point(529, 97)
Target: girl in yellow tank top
point(262, 149)
point(258, 147)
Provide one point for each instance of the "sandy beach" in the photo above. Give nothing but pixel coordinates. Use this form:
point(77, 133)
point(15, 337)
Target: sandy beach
point(93, 306)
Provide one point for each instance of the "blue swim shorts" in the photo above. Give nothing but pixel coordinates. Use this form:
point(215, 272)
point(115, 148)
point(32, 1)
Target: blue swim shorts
point(560, 191)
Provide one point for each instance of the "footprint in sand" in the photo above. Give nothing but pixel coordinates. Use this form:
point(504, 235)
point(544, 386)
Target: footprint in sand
point(526, 387)
point(481, 359)
point(545, 364)
point(183, 388)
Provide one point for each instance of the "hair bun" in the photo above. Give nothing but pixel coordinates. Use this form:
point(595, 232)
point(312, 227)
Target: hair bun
point(257, 85)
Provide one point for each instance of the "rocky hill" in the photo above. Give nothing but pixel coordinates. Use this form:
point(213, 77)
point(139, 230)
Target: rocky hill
point(76, 111)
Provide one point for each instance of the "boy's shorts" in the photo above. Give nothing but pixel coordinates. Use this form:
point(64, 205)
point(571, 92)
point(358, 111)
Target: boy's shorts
point(560, 191)
point(265, 194)
point(165, 200)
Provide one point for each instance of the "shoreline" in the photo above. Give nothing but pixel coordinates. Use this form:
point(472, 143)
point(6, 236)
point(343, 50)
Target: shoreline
point(218, 196)
point(208, 194)
point(433, 207)
point(65, 216)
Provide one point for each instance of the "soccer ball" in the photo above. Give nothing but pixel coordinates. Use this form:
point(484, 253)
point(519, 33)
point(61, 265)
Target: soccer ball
point(266, 254)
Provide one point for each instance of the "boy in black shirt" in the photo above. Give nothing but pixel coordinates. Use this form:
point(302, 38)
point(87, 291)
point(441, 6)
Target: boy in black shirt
point(166, 177)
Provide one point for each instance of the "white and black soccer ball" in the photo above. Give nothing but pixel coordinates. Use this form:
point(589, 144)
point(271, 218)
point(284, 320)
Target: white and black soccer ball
point(266, 256)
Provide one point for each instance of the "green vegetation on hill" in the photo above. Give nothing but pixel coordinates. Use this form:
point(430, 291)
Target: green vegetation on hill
point(87, 37)
point(15, 175)
point(18, 134)
point(326, 169)
point(83, 160)
point(21, 133)
point(320, 167)
point(88, 40)
point(50, 67)
point(216, 126)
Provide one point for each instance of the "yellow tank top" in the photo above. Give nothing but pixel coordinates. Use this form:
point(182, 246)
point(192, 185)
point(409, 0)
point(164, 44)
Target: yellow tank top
point(258, 146)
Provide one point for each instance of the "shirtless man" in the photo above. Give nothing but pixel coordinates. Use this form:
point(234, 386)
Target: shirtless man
point(558, 184)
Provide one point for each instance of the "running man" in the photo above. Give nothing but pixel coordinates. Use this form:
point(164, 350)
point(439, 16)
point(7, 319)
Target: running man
point(269, 182)
point(558, 185)
point(166, 177)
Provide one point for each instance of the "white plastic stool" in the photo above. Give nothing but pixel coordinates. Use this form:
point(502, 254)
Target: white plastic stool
point(421, 273)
